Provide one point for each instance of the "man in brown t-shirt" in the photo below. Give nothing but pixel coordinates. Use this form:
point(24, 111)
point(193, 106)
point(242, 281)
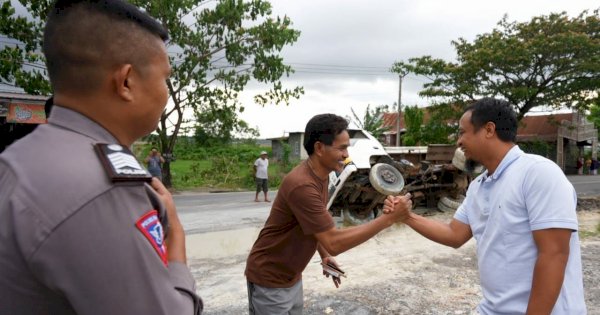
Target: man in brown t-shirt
point(299, 223)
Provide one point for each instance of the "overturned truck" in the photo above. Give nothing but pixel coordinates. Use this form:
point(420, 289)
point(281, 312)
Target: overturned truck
point(357, 193)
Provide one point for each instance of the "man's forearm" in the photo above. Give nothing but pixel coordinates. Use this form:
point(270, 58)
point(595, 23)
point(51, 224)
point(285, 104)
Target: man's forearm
point(436, 231)
point(338, 241)
point(548, 276)
point(322, 251)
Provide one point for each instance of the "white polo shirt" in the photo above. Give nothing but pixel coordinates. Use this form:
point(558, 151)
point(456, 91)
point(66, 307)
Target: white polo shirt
point(262, 167)
point(526, 193)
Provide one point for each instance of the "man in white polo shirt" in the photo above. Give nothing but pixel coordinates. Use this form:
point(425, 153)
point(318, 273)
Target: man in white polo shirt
point(261, 174)
point(521, 212)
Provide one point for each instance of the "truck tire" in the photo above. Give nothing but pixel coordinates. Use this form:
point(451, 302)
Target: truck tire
point(386, 179)
point(447, 204)
point(350, 218)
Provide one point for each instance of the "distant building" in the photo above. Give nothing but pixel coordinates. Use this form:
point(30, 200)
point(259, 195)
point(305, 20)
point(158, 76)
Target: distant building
point(20, 113)
point(566, 134)
point(389, 120)
point(295, 140)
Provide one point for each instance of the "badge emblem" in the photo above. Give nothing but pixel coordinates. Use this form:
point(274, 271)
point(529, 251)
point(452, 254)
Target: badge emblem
point(152, 229)
point(120, 164)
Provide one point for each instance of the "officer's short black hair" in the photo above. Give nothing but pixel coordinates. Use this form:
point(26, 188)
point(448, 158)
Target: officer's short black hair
point(499, 112)
point(323, 128)
point(84, 38)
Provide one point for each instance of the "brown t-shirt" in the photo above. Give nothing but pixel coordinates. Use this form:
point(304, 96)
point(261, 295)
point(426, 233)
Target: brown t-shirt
point(286, 243)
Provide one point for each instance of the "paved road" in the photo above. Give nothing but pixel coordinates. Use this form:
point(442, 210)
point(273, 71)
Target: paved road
point(211, 212)
point(586, 185)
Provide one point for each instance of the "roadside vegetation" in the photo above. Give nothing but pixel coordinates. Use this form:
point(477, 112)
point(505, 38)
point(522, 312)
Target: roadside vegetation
point(222, 167)
point(590, 233)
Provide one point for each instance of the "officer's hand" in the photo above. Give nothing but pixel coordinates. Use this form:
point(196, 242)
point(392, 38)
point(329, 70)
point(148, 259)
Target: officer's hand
point(167, 199)
point(175, 239)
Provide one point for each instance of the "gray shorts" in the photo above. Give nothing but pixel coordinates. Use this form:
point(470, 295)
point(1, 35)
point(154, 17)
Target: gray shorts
point(262, 183)
point(275, 301)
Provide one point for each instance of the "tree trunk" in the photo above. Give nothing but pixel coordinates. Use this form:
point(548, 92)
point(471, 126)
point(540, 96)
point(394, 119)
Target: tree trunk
point(166, 174)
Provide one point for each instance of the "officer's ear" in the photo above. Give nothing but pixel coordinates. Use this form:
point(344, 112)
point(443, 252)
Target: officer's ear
point(123, 81)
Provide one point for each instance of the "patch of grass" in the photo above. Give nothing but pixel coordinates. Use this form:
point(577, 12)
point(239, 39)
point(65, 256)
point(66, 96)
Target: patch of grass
point(590, 233)
point(186, 173)
point(219, 167)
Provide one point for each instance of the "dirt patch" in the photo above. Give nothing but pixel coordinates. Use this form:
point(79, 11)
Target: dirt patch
point(589, 203)
point(397, 272)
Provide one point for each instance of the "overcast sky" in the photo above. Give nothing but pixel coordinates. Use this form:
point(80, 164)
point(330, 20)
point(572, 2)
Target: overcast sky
point(346, 48)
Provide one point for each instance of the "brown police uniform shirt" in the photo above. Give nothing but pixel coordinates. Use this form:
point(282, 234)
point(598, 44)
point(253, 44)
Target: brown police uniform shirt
point(286, 243)
point(73, 242)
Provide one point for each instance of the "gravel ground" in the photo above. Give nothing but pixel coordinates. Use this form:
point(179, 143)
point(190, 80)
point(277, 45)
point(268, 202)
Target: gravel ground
point(397, 272)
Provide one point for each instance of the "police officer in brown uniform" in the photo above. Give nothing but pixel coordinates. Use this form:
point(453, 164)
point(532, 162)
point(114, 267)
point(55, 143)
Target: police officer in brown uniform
point(83, 227)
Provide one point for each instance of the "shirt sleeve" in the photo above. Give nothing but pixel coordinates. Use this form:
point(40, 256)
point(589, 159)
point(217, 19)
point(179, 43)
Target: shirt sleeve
point(461, 213)
point(309, 208)
point(550, 198)
point(103, 264)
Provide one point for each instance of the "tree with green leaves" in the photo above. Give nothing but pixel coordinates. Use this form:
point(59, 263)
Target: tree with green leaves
point(436, 128)
point(220, 126)
point(216, 49)
point(594, 117)
point(413, 120)
point(372, 120)
point(552, 60)
point(22, 64)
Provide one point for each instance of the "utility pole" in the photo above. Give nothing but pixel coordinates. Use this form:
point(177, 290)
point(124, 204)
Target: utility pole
point(398, 142)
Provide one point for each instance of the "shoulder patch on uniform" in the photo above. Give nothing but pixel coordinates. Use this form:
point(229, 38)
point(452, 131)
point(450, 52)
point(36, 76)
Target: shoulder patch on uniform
point(150, 226)
point(120, 164)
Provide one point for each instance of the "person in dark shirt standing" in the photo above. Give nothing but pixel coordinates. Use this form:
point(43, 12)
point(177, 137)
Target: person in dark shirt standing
point(154, 162)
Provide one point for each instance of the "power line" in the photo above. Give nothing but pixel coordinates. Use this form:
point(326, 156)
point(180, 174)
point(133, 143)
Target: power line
point(341, 73)
point(339, 66)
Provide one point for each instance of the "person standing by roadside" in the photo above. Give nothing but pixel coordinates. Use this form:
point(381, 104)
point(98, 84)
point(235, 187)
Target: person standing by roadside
point(300, 225)
point(580, 162)
point(261, 175)
point(588, 167)
point(89, 231)
point(594, 167)
point(521, 212)
point(154, 162)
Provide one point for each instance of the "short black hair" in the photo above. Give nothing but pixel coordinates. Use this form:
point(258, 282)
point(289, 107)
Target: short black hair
point(323, 128)
point(83, 38)
point(500, 112)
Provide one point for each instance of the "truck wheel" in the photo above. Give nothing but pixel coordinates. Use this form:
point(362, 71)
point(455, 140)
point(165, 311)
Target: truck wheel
point(447, 204)
point(351, 218)
point(386, 179)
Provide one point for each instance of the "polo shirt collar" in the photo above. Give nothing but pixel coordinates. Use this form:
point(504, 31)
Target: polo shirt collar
point(512, 155)
point(69, 119)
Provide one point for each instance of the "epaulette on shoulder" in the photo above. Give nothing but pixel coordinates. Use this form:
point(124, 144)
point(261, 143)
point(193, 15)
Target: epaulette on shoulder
point(120, 164)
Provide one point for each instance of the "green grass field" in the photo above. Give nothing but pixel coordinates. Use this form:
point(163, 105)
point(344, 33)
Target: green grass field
point(201, 174)
point(185, 172)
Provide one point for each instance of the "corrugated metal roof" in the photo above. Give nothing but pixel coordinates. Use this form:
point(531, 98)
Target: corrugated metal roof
point(23, 96)
point(541, 127)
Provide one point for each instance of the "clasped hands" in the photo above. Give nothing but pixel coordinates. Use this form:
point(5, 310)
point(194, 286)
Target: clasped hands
point(398, 206)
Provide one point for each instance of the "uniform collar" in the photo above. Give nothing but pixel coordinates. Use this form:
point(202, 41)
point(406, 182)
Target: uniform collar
point(69, 119)
point(512, 155)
